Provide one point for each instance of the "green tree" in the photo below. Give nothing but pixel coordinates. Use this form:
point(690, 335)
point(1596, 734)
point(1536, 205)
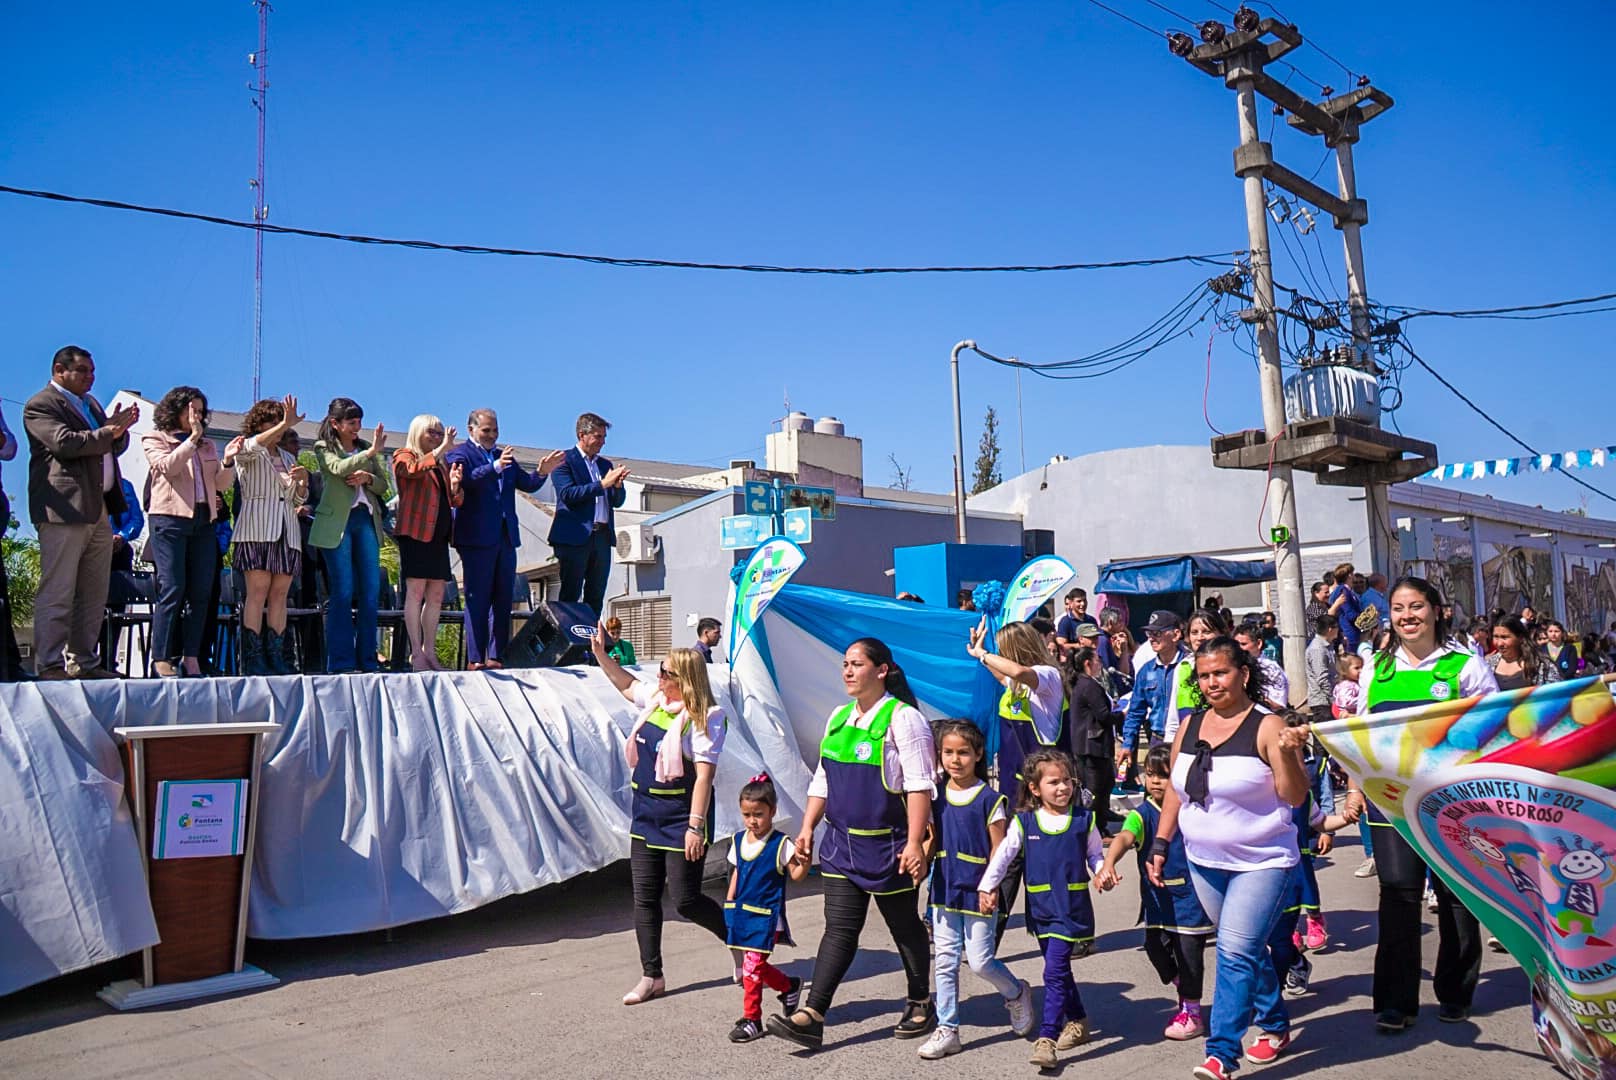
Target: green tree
point(22, 569)
point(987, 473)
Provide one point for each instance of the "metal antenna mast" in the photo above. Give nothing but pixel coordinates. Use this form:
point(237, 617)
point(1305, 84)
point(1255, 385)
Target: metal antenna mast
point(260, 62)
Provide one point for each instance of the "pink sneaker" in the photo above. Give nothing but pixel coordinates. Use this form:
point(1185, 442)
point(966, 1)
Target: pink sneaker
point(1317, 937)
point(1267, 1047)
point(1186, 1025)
point(1298, 942)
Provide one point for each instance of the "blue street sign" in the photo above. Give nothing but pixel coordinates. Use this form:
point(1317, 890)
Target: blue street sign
point(821, 500)
point(743, 531)
point(757, 497)
point(799, 525)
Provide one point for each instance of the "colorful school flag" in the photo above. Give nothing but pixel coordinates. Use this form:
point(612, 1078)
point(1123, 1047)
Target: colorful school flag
point(761, 580)
point(1034, 583)
point(1509, 798)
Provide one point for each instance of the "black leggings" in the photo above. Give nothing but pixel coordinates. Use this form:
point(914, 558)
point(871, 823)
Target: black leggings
point(651, 869)
point(846, 907)
point(1178, 956)
point(1397, 955)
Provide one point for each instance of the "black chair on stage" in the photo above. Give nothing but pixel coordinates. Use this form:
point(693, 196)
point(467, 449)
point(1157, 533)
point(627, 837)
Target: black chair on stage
point(130, 597)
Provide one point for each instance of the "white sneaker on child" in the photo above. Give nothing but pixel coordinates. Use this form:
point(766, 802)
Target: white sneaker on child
point(943, 1042)
point(1020, 1006)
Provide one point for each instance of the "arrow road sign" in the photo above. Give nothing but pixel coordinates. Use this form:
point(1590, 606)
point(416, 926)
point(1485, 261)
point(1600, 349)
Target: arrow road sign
point(758, 497)
point(799, 525)
point(743, 531)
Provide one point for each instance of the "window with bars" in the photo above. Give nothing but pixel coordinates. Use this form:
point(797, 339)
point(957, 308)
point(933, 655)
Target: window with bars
point(647, 624)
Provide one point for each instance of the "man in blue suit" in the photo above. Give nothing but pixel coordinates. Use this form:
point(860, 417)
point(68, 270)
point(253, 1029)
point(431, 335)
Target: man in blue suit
point(486, 533)
point(588, 489)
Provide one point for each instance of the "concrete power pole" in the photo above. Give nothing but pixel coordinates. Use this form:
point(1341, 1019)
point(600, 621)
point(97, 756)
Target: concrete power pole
point(1367, 456)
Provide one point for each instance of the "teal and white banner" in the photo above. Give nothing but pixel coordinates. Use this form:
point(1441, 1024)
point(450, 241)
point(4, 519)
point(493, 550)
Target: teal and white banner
point(1596, 458)
point(764, 575)
point(1033, 584)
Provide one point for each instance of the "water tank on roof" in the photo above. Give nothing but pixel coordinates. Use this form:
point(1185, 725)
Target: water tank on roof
point(796, 420)
point(829, 425)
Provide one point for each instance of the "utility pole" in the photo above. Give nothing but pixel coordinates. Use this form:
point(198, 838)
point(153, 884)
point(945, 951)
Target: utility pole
point(260, 62)
point(959, 442)
point(1368, 457)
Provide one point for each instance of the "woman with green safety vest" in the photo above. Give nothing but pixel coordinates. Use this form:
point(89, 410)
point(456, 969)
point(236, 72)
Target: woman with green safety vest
point(672, 755)
point(1422, 663)
point(873, 789)
point(1204, 625)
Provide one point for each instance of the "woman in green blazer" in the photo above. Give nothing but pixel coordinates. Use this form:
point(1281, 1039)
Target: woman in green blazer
point(348, 529)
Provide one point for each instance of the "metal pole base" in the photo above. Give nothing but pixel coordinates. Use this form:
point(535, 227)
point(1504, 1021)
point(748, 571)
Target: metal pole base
point(128, 994)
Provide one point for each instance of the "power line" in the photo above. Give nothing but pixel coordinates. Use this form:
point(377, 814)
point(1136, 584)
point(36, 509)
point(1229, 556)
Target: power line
point(1215, 259)
point(1479, 411)
point(1151, 30)
point(1405, 314)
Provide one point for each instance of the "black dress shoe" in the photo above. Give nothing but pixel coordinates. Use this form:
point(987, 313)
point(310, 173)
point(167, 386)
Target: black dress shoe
point(810, 1034)
point(1453, 1014)
point(1393, 1020)
point(919, 1017)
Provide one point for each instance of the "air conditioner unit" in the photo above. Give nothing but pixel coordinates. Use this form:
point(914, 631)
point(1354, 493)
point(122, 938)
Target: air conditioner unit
point(636, 544)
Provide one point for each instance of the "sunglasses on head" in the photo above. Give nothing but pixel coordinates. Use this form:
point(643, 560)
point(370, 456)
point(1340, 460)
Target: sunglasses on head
point(663, 672)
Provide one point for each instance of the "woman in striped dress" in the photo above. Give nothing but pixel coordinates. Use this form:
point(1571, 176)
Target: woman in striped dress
point(268, 543)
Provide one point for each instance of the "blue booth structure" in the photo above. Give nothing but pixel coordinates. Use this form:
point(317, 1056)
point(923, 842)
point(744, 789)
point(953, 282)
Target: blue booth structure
point(936, 572)
point(1171, 582)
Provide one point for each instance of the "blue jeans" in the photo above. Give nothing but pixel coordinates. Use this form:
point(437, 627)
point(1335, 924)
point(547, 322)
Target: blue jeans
point(1244, 905)
point(950, 931)
point(354, 575)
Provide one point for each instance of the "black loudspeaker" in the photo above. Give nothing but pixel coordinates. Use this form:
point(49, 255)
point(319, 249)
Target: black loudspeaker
point(1036, 542)
point(555, 635)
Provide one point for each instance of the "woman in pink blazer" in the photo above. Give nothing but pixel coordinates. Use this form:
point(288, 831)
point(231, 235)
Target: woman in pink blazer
point(186, 473)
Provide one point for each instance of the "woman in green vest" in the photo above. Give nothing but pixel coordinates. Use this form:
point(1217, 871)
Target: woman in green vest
point(1422, 663)
point(873, 790)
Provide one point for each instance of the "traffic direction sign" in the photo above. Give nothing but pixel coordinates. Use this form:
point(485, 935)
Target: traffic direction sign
point(743, 531)
point(758, 497)
point(821, 500)
point(799, 525)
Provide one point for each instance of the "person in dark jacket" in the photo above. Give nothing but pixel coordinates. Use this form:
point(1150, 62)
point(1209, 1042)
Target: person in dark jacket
point(1091, 731)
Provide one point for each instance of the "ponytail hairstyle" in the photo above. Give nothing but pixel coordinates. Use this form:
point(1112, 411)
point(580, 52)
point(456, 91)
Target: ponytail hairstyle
point(341, 408)
point(876, 652)
point(1238, 657)
point(1385, 657)
point(972, 734)
point(1022, 643)
point(1032, 771)
point(760, 789)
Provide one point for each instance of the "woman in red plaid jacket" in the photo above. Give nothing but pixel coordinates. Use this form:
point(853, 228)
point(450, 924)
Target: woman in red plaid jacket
point(427, 492)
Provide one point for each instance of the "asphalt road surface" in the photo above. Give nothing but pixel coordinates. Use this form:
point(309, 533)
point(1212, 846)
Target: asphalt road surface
point(532, 986)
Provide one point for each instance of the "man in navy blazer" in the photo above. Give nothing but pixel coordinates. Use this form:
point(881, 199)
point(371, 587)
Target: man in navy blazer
point(486, 533)
point(588, 489)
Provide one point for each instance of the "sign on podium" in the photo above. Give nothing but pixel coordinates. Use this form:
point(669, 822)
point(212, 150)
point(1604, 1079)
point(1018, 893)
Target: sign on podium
point(193, 789)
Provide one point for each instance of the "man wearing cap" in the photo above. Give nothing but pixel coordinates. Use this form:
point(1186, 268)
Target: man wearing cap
point(1152, 681)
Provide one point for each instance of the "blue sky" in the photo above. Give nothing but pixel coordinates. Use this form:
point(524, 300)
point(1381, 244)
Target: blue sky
point(833, 133)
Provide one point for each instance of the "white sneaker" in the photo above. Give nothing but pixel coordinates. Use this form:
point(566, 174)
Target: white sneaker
point(1365, 868)
point(943, 1041)
point(1021, 1018)
point(1430, 899)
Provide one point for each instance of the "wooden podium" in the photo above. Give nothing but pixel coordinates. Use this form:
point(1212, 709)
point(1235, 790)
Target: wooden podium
point(193, 789)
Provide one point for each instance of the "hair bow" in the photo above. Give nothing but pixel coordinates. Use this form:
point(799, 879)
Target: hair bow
point(760, 778)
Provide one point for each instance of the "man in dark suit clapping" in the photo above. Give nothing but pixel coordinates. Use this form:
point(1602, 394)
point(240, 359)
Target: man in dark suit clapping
point(486, 533)
point(588, 488)
point(73, 488)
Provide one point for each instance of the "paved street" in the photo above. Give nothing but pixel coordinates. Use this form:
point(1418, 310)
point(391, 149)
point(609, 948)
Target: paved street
point(531, 987)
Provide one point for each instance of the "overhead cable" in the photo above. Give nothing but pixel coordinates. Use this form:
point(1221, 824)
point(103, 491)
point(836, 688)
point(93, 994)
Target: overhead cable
point(1216, 258)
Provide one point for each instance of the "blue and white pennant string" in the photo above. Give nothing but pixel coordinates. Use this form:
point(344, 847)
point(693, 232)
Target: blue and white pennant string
point(1477, 470)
